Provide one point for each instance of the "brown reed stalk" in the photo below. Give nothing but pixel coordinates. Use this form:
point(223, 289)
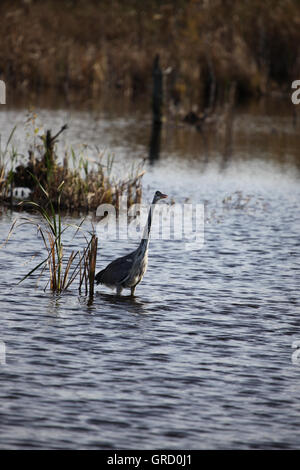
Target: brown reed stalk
point(92, 263)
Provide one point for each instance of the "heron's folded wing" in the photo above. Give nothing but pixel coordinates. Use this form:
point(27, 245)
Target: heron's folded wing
point(116, 271)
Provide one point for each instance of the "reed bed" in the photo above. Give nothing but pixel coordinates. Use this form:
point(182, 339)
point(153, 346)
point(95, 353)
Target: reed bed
point(88, 182)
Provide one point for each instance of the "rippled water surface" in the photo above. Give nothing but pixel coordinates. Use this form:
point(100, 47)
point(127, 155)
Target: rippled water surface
point(202, 357)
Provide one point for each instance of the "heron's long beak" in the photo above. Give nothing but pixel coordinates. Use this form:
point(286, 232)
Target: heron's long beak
point(163, 196)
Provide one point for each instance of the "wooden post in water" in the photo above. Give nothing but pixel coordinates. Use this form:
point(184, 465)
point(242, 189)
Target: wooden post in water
point(157, 93)
point(92, 265)
point(157, 105)
point(229, 120)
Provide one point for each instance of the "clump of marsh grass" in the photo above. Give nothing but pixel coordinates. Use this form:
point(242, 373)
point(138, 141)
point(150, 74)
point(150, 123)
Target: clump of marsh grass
point(62, 270)
point(87, 182)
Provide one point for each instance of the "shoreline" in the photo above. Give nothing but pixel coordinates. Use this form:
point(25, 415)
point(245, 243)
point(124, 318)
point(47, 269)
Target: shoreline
point(88, 50)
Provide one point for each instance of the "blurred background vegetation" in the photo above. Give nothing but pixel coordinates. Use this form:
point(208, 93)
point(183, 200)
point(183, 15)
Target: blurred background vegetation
point(89, 47)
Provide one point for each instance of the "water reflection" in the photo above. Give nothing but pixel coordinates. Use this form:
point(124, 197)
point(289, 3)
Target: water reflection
point(157, 104)
point(126, 302)
point(155, 142)
point(124, 132)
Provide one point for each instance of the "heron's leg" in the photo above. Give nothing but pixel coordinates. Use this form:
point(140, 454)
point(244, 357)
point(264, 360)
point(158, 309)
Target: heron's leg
point(119, 290)
point(132, 290)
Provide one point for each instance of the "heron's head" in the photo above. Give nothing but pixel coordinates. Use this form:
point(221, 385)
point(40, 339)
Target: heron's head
point(158, 195)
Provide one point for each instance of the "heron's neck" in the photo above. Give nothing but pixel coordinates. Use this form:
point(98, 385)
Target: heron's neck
point(146, 234)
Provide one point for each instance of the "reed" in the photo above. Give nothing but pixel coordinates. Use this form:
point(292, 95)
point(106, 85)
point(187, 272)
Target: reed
point(62, 270)
point(8, 156)
point(88, 267)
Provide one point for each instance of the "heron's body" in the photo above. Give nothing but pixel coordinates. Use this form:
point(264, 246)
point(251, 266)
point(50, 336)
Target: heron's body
point(125, 272)
point(129, 270)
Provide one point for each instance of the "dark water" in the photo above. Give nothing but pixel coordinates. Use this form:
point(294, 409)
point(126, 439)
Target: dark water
point(202, 357)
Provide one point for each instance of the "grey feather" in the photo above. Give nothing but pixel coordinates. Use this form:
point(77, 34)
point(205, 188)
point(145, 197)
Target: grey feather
point(116, 271)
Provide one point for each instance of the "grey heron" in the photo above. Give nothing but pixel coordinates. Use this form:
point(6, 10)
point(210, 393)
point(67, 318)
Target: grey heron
point(128, 271)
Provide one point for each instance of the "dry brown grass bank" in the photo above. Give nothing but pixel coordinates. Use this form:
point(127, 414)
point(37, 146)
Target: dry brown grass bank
point(93, 46)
